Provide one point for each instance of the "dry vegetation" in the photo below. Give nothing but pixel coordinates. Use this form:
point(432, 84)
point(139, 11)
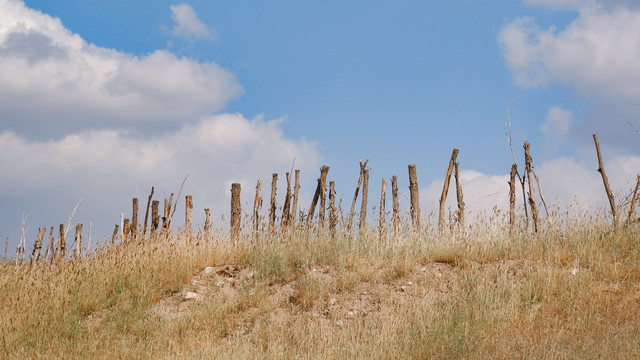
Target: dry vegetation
point(570, 291)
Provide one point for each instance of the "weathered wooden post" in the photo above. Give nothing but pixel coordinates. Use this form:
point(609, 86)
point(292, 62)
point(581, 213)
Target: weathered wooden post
point(115, 234)
point(323, 196)
point(396, 205)
point(415, 197)
point(207, 221)
point(155, 217)
point(459, 196)
point(257, 204)
point(512, 197)
point(333, 216)
point(125, 230)
point(294, 205)
point(286, 208)
point(236, 211)
point(605, 180)
point(146, 214)
point(381, 226)
point(363, 207)
point(60, 252)
point(632, 206)
point(272, 207)
point(35, 255)
point(445, 190)
point(134, 219)
point(532, 195)
point(78, 249)
point(188, 210)
point(355, 196)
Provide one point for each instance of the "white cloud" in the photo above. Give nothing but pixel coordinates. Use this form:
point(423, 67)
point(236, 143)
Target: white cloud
point(598, 53)
point(53, 82)
point(557, 123)
point(577, 4)
point(110, 166)
point(188, 25)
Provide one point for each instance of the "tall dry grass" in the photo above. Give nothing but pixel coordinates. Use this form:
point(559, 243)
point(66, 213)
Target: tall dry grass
point(571, 291)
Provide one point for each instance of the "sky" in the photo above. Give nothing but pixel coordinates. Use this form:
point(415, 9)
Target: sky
point(101, 100)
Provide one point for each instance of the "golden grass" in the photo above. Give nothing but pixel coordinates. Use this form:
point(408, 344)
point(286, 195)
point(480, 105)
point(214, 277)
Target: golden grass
point(570, 292)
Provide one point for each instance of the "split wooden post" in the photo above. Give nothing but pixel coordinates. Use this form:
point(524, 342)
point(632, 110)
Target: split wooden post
point(272, 207)
point(383, 194)
point(459, 196)
point(146, 214)
point(363, 208)
point(605, 180)
point(314, 201)
point(60, 252)
point(207, 220)
point(415, 197)
point(257, 204)
point(632, 206)
point(445, 190)
point(78, 249)
point(396, 205)
point(236, 211)
point(294, 205)
point(115, 234)
point(355, 196)
point(333, 216)
point(35, 255)
point(134, 219)
point(125, 230)
point(155, 217)
point(188, 211)
point(323, 196)
point(532, 194)
point(286, 208)
point(512, 197)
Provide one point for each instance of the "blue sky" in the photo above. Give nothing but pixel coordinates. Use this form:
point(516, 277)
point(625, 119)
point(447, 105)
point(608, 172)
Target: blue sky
point(101, 100)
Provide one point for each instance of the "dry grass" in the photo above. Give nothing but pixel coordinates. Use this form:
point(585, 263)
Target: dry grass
point(571, 292)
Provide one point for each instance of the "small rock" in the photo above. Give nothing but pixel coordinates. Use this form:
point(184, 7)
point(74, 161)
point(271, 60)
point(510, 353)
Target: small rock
point(332, 301)
point(190, 295)
point(220, 283)
point(209, 270)
point(410, 283)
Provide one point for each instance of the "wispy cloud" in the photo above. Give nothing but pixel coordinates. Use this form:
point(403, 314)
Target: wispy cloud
point(186, 24)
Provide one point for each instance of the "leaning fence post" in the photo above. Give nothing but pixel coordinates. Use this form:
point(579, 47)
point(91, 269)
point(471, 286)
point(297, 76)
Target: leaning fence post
point(632, 206)
point(35, 255)
point(445, 190)
point(272, 206)
point(146, 214)
point(355, 196)
point(512, 197)
point(459, 196)
point(605, 181)
point(415, 197)
point(532, 194)
point(396, 206)
point(236, 211)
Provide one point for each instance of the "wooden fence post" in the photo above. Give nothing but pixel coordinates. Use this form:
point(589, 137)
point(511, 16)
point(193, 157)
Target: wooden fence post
point(415, 197)
point(323, 196)
point(115, 234)
point(78, 249)
point(314, 201)
point(294, 205)
point(396, 205)
point(355, 196)
point(272, 207)
point(35, 255)
point(286, 208)
point(155, 217)
point(49, 248)
point(532, 194)
point(333, 216)
point(363, 207)
point(146, 214)
point(134, 219)
point(632, 206)
point(60, 252)
point(188, 210)
point(459, 196)
point(382, 205)
point(207, 221)
point(512, 197)
point(125, 230)
point(257, 204)
point(445, 190)
point(236, 212)
point(605, 180)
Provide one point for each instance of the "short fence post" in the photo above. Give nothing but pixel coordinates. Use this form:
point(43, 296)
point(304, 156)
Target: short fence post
point(134, 219)
point(272, 207)
point(187, 212)
point(415, 197)
point(236, 211)
point(78, 249)
point(363, 207)
point(396, 205)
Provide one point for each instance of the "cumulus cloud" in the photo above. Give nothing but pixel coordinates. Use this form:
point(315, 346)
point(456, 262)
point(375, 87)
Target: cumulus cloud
point(557, 123)
point(577, 4)
point(53, 82)
point(186, 24)
point(110, 167)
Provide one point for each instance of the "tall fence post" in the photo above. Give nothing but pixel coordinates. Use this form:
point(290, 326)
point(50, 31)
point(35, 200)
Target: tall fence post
point(286, 208)
point(294, 205)
point(445, 190)
point(134, 219)
point(236, 212)
point(512, 197)
point(333, 216)
point(396, 206)
point(605, 180)
point(272, 207)
point(459, 196)
point(257, 204)
point(415, 197)
point(78, 250)
point(381, 226)
point(532, 194)
point(188, 210)
point(146, 214)
point(363, 208)
point(60, 252)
